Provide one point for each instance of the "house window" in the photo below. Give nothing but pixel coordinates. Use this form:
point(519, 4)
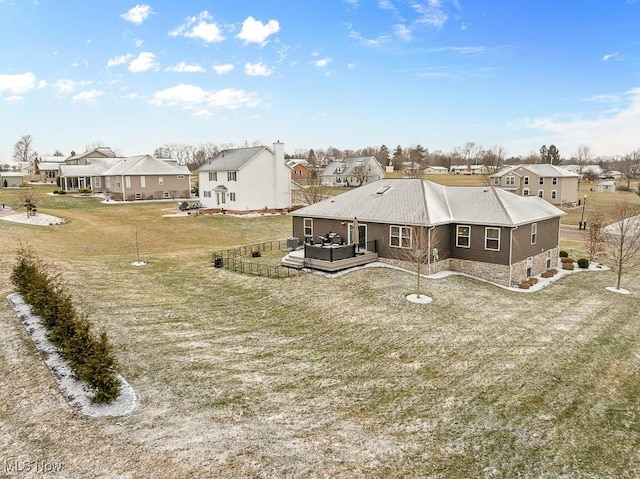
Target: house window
point(529, 266)
point(127, 182)
point(554, 194)
point(181, 177)
point(160, 180)
point(548, 259)
point(525, 192)
point(541, 181)
point(143, 182)
point(232, 176)
point(534, 232)
point(496, 181)
point(118, 184)
point(526, 180)
point(107, 182)
point(540, 193)
point(463, 236)
point(213, 176)
point(510, 180)
point(166, 194)
point(308, 227)
point(554, 181)
point(400, 237)
point(492, 239)
point(97, 182)
point(138, 196)
point(232, 196)
point(207, 194)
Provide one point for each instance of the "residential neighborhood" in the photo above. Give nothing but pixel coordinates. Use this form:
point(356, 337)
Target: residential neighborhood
point(353, 239)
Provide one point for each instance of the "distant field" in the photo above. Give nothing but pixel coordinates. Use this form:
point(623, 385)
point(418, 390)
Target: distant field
point(309, 376)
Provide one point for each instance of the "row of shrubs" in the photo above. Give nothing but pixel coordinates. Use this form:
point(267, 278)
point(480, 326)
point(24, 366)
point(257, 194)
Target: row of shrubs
point(90, 356)
point(567, 261)
point(59, 192)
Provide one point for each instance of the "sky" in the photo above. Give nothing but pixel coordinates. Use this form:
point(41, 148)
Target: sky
point(321, 73)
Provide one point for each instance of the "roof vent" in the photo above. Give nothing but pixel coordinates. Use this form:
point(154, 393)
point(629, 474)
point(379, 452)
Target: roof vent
point(382, 190)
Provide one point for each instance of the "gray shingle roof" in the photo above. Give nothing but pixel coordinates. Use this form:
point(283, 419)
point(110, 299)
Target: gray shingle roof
point(232, 160)
point(413, 201)
point(543, 169)
point(146, 165)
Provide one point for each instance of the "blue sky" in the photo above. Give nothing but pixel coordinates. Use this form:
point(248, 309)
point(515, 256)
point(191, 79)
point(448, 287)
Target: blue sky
point(320, 73)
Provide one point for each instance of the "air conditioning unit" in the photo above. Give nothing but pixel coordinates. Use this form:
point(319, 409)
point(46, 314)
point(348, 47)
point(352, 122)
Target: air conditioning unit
point(292, 243)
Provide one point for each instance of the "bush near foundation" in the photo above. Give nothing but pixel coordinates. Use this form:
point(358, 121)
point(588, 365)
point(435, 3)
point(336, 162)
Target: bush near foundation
point(563, 254)
point(583, 263)
point(91, 357)
point(568, 266)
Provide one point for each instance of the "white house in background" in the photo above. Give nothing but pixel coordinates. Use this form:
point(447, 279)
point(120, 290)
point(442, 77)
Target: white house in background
point(605, 186)
point(436, 170)
point(469, 170)
point(352, 172)
point(245, 180)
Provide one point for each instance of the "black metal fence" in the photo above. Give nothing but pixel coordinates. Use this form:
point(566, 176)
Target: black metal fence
point(237, 259)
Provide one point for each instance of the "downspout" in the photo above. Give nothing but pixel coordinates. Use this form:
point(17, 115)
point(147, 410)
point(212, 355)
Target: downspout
point(511, 254)
point(429, 249)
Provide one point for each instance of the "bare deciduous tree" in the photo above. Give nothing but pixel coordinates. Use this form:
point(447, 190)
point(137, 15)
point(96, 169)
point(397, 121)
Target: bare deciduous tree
point(622, 238)
point(594, 239)
point(23, 149)
point(583, 156)
point(313, 191)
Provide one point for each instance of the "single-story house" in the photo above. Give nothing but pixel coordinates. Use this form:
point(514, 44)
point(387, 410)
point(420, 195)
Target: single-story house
point(436, 170)
point(469, 170)
point(11, 179)
point(352, 171)
point(483, 231)
point(606, 185)
point(549, 182)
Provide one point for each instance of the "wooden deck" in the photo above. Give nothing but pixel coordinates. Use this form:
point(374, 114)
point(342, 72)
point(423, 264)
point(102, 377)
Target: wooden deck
point(296, 259)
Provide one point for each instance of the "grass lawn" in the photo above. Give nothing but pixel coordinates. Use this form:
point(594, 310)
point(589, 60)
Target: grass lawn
point(308, 376)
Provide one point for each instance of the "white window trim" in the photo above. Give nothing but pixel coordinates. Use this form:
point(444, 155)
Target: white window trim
point(526, 192)
point(554, 194)
point(487, 239)
point(307, 227)
point(526, 180)
point(127, 182)
point(534, 233)
point(403, 233)
point(213, 176)
point(541, 194)
point(143, 182)
point(510, 180)
point(468, 237)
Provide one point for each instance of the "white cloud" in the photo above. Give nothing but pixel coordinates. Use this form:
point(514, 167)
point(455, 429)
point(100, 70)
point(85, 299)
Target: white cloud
point(138, 43)
point(431, 15)
point(402, 31)
point(257, 69)
point(143, 62)
point(88, 96)
point(322, 63)
point(222, 69)
point(254, 31)
point(613, 131)
point(199, 27)
point(183, 67)
point(203, 102)
point(17, 84)
point(14, 99)
point(137, 14)
point(119, 60)
point(66, 86)
point(610, 56)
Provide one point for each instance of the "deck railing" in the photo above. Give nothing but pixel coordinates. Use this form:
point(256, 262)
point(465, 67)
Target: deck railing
point(245, 259)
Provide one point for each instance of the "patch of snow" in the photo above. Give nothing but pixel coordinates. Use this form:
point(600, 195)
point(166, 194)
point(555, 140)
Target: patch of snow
point(617, 290)
point(418, 298)
point(76, 392)
point(139, 263)
point(39, 219)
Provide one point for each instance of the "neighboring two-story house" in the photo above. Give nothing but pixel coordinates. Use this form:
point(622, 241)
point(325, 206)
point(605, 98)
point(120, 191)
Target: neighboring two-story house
point(549, 182)
point(245, 180)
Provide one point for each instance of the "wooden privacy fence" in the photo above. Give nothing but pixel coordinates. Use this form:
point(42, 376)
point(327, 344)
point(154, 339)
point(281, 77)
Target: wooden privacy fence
point(234, 260)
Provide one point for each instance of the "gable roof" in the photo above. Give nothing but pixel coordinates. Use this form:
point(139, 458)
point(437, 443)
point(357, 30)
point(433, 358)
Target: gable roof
point(347, 166)
point(413, 201)
point(104, 151)
point(146, 165)
point(542, 170)
point(233, 160)
point(94, 167)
